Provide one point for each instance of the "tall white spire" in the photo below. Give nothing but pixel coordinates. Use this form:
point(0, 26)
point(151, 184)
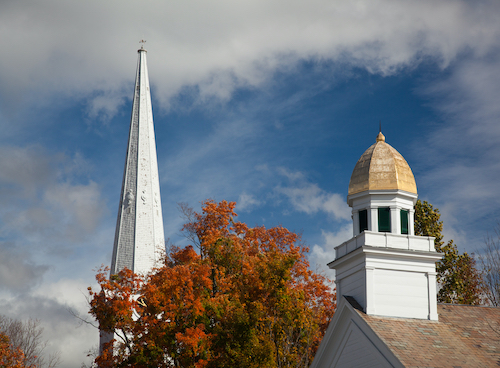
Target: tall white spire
point(139, 239)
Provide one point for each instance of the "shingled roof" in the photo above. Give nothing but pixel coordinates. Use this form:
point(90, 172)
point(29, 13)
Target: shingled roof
point(464, 336)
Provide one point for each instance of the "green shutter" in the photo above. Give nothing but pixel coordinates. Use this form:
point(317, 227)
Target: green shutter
point(404, 221)
point(363, 220)
point(384, 219)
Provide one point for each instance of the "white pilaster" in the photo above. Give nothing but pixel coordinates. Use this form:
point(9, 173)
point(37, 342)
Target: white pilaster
point(373, 219)
point(431, 282)
point(369, 281)
point(411, 222)
point(395, 220)
point(355, 222)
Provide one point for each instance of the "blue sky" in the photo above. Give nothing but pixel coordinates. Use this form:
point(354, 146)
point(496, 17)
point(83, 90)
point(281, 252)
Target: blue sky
point(267, 103)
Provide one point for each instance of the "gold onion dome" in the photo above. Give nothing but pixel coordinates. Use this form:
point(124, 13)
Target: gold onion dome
point(381, 167)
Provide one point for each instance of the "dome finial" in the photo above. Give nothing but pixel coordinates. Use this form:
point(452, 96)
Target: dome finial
point(380, 137)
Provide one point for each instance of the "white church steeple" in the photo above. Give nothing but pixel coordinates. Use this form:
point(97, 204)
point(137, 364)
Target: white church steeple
point(139, 239)
point(386, 268)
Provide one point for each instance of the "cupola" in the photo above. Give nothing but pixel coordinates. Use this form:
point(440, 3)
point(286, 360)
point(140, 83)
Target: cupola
point(382, 191)
point(386, 268)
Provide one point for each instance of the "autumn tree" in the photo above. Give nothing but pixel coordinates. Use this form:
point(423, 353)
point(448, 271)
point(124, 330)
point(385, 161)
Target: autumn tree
point(245, 298)
point(459, 280)
point(10, 356)
point(489, 260)
point(26, 337)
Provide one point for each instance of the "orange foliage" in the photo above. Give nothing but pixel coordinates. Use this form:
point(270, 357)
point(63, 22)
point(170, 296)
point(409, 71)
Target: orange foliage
point(248, 299)
point(11, 357)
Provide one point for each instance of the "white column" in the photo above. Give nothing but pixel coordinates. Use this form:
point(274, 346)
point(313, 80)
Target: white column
point(369, 296)
point(431, 287)
point(355, 222)
point(411, 220)
point(395, 221)
point(373, 219)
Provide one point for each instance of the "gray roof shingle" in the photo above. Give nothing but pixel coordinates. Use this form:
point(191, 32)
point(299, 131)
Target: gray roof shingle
point(465, 336)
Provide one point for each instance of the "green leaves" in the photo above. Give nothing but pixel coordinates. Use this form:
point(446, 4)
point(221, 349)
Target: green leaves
point(459, 280)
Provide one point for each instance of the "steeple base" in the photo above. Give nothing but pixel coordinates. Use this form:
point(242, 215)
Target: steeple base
point(389, 275)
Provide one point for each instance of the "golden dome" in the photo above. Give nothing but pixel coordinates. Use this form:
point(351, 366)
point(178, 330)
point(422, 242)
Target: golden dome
point(381, 167)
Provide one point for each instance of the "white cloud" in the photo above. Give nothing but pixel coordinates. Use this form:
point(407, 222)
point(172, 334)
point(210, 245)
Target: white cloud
point(106, 104)
point(18, 272)
point(309, 198)
point(55, 305)
point(80, 205)
point(322, 254)
point(291, 175)
point(239, 43)
point(460, 169)
point(23, 170)
point(468, 100)
point(246, 202)
point(40, 205)
point(45, 216)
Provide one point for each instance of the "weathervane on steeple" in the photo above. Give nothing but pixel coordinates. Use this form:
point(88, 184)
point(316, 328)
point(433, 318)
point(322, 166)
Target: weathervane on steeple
point(142, 42)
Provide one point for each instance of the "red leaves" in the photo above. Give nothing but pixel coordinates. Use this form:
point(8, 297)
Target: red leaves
point(247, 300)
point(113, 305)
